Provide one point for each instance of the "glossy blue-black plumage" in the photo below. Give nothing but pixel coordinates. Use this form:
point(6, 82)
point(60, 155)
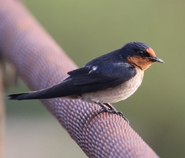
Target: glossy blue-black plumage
point(106, 71)
point(110, 70)
point(131, 49)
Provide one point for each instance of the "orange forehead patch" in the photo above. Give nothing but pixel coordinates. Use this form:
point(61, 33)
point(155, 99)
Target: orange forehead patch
point(151, 52)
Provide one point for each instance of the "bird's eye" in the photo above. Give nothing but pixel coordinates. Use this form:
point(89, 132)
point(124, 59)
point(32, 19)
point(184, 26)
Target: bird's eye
point(140, 52)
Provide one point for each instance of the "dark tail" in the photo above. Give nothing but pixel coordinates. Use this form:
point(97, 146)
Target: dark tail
point(66, 88)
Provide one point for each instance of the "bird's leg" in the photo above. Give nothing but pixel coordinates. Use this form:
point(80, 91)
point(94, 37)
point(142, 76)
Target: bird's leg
point(102, 106)
point(116, 112)
point(110, 106)
point(111, 109)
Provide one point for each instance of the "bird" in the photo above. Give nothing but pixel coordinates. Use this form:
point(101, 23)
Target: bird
point(110, 78)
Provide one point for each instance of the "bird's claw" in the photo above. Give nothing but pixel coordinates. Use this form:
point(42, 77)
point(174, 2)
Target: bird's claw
point(120, 114)
point(111, 109)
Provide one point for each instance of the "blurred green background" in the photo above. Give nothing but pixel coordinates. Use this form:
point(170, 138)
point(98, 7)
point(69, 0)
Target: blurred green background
point(87, 29)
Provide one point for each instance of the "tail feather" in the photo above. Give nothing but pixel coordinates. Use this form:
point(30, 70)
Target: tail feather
point(63, 89)
point(16, 96)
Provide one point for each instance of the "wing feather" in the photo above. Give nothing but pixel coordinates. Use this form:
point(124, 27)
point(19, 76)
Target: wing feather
point(105, 76)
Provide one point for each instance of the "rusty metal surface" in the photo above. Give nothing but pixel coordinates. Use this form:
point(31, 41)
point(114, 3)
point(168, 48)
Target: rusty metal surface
point(42, 63)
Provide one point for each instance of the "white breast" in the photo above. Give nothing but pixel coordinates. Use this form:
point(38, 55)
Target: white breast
point(112, 95)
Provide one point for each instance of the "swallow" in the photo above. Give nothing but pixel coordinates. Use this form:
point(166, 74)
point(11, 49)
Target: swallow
point(107, 79)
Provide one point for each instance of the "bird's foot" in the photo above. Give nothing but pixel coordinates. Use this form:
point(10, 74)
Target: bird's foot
point(111, 109)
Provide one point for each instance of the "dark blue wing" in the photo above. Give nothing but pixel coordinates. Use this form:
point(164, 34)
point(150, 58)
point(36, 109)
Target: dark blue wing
point(93, 78)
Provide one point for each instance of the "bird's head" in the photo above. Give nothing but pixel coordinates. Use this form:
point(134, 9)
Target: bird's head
point(139, 54)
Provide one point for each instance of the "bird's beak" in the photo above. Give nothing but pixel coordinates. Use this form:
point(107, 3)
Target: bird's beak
point(156, 59)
